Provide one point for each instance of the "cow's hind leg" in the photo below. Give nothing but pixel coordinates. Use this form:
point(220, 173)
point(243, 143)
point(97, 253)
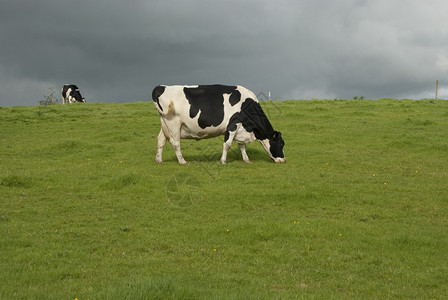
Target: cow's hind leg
point(161, 141)
point(244, 154)
point(175, 142)
point(170, 131)
point(173, 129)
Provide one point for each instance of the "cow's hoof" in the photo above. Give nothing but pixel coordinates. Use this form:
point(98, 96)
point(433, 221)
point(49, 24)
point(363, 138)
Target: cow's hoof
point(223, 162)
point(248, 162)
point(158, 161)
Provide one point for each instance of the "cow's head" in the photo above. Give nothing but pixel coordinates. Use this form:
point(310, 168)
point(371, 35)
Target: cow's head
point(274, 147)
point(77, 96)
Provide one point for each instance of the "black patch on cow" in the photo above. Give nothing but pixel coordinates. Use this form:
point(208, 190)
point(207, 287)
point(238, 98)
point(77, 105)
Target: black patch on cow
point(209, 101)
point(156, 93)
point(66, 87)
point(77, 95)
point(253, 119)
point(235, 97)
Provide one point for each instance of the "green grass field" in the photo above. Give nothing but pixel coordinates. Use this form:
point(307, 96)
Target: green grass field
point(359, 210)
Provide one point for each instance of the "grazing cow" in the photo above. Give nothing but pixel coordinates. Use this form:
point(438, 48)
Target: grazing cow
point(205, 111)
point(71, 93)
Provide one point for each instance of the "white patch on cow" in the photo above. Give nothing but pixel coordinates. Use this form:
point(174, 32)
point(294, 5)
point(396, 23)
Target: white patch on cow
point(229, 110)
point(243, 136)
point(67, 95)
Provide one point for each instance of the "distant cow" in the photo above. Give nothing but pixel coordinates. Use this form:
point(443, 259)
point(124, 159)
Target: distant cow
point(205, 111)
point(71, 93)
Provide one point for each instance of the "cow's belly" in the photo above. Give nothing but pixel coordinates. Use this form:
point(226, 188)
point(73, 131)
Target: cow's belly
point(198, 133)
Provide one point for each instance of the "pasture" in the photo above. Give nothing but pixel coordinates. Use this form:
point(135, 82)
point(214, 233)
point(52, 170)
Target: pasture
point(359, 210)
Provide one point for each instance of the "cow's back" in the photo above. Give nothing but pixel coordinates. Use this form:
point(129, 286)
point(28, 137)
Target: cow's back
point(203, 110)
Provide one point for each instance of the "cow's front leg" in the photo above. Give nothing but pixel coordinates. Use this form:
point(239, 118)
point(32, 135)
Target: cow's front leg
point(225, 148)
point(161, 141)
point(227, 144)
point(244, 154)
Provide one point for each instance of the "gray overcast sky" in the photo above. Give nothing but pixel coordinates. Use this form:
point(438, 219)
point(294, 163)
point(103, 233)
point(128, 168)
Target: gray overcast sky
point(117, 51)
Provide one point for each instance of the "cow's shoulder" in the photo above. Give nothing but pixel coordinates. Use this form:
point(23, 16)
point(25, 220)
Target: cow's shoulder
point(253, 119)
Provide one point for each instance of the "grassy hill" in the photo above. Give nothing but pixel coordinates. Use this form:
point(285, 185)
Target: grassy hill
point(359, 210)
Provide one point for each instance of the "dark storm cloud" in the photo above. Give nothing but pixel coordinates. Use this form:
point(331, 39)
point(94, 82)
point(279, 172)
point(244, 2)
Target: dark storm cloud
point(118, 51)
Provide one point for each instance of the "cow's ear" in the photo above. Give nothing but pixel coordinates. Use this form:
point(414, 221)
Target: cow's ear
point(275, 135)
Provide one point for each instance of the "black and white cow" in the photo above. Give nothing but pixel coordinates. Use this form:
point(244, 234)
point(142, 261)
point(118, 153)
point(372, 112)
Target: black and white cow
point(205, 111)
point(71, 93)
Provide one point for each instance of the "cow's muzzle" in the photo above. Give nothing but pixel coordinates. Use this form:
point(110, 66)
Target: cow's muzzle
point(280, 160)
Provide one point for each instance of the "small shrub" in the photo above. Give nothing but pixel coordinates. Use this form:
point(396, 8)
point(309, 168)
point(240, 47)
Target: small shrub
point(50, 99)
